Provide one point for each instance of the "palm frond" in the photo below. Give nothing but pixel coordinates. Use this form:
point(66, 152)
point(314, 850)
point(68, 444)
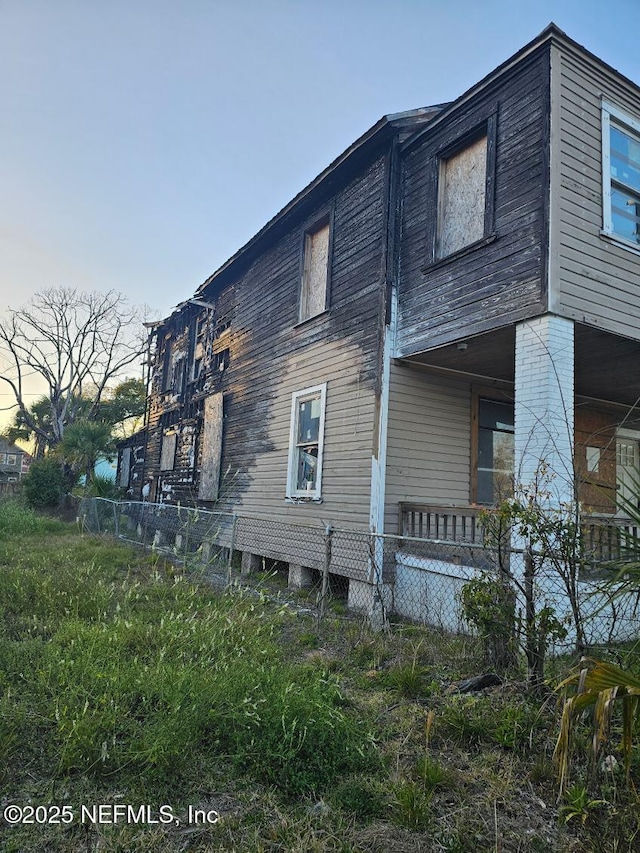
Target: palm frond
point(601, 686)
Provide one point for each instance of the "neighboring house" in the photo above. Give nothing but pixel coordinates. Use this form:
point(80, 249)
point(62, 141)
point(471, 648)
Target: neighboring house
point(14, 462)
point(454, 299)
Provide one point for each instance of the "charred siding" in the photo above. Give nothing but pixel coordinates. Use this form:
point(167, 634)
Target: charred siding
point(500, 282)
point(273, 355)
point(265, 353)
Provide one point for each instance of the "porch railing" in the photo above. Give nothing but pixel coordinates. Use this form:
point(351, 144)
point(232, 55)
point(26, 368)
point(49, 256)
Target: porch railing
point(445, 523)
point(605, 538)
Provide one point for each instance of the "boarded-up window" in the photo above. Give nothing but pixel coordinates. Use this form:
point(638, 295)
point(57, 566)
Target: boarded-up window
point(461, 215)
point(313, 298)
point(168, 452)
point(125, 467)
point(209, 489)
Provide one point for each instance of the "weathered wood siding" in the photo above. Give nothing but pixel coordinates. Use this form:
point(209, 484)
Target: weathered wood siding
point(273, 356)
point(503, 281)
point(348, 436)
point(270, 355)
point(593, 280)
point(429, 441)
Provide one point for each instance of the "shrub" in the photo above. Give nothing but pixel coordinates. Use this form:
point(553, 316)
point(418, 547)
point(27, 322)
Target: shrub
point(16, 519)
point(44, 485)
point(488, 604)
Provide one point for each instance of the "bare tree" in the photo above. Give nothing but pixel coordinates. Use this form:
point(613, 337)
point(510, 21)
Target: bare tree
point(77, 343)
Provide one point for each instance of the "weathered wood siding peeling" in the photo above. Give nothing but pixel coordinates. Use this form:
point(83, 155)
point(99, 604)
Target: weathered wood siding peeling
point(247, 355)
point(277, 356)
point(501, 279)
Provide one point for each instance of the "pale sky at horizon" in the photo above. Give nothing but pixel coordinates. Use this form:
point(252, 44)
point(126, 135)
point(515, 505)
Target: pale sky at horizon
point(143, 142)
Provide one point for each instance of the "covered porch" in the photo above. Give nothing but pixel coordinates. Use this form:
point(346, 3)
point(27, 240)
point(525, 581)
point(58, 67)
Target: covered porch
point(547, 390)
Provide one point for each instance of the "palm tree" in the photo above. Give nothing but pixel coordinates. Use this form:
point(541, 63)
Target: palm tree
point(598, 685)
point(83, 442)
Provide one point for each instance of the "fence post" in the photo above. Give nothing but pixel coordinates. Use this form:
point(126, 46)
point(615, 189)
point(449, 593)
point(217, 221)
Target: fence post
point(378, 612)
point(115, 518)
point(328, 537)
point(231, 548)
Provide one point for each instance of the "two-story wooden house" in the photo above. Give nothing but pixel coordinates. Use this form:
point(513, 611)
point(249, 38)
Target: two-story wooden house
point(452, 301)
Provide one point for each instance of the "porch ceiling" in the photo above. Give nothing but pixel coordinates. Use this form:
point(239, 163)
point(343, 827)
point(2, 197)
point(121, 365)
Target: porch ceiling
point(607, 365)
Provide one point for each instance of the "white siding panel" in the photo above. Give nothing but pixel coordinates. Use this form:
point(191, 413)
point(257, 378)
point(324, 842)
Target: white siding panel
point(428, 453)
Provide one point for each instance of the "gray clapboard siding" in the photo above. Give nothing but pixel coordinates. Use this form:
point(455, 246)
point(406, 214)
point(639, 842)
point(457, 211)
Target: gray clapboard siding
point(428, 452)
point(500, 282)
point(595, 281)
point(348, 438)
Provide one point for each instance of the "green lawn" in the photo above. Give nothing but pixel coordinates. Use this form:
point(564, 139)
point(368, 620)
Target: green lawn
point(126, 682)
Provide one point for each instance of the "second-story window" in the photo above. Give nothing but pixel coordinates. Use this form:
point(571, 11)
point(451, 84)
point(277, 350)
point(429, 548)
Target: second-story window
point(464, 175)
point(315, 274)
point(461, 204)
point(621, 174)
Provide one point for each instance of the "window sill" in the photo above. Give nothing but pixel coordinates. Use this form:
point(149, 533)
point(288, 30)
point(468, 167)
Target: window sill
point(454, 256)
point(634, 248)
point(307, 320)
point(303, 499)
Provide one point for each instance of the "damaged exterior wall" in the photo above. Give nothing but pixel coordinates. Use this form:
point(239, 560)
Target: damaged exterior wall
point(237, 365)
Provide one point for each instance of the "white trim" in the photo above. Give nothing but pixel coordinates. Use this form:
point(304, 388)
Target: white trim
point(628, 433)
point(297, 397)
point(377, 498)
point(620, 117)
point(606, 169)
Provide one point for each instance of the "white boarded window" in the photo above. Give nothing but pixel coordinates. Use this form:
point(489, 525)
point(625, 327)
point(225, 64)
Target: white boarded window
point(168, 451)
point(462, 198)
point(313, 296)
point(306, 439)
point(209, 489)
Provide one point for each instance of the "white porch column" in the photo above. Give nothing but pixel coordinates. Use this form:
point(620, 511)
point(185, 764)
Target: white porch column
point(544, 392)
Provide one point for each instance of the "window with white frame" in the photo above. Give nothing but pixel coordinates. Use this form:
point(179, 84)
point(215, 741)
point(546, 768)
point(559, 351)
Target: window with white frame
point(313, 293)
point(621, 174)
point(306, 438)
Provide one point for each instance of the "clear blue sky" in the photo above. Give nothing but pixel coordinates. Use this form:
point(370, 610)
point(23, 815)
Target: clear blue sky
point(142, 142)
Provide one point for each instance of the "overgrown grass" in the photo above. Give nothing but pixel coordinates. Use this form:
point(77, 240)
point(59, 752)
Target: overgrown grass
point(123, 681)
point(115, 672)
point(17, 519)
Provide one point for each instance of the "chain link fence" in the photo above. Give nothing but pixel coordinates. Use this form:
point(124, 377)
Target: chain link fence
point(383, 577)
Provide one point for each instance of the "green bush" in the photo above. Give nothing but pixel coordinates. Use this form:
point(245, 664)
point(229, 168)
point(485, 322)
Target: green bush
point(44, 485)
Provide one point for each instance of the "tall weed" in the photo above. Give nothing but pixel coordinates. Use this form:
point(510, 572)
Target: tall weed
point(134, 676)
